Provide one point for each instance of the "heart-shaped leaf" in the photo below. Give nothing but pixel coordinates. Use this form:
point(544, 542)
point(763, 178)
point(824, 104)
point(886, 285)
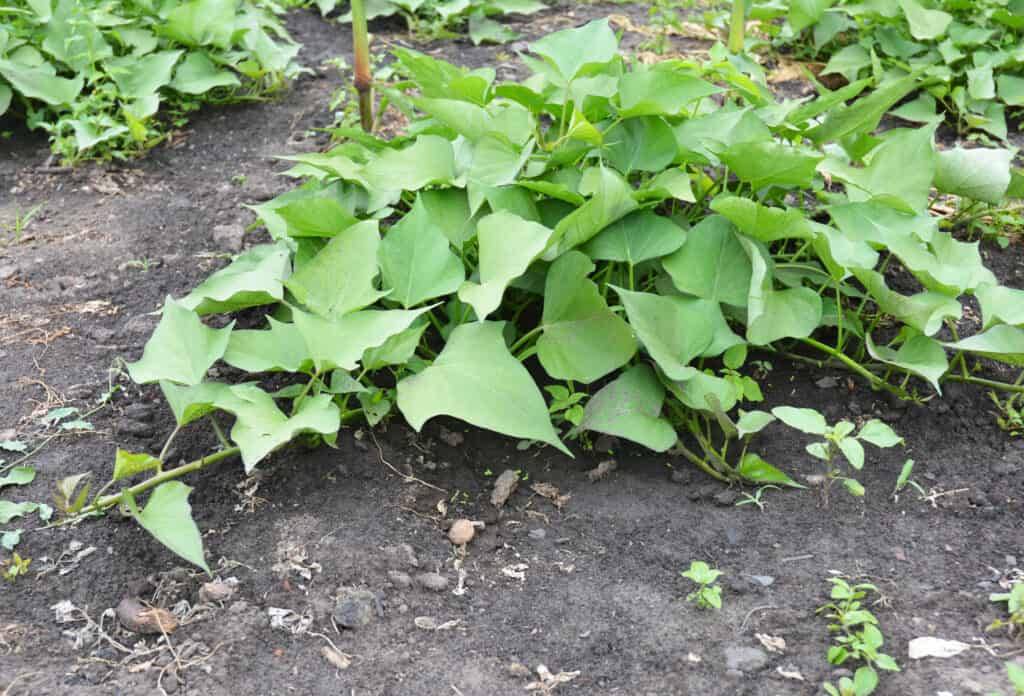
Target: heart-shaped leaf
point(168, 517)
point(181, 348)
point(630, 408)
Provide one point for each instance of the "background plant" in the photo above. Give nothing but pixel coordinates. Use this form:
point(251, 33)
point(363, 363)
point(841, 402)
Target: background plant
point(445, 18)
point(96, 75)
point(621, 231)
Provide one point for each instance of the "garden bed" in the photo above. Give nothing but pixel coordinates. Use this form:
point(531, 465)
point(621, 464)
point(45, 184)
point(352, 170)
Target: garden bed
point(591, 586)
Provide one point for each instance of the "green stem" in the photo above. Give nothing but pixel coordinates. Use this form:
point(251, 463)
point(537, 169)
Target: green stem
point(982, 382)
point(362, 78)
point(854, 366)
point(315, 377)
point(700, 463)
point(219, 433)
point(736, 27)
point(163, 477)
point(524, 338)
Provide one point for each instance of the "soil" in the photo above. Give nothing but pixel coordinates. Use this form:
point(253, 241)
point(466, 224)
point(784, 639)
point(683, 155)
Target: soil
point(591, 587)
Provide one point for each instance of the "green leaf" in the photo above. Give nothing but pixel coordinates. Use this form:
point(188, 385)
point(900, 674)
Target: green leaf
point(201, 23)
point(13, 446)
point(854, 487)
point(804, 13)
point(761, 222)
point(10, 539)
point(865, 680)
point(706, 392)
point(191, 403)
point(853, 451)
point(769, 163)
point(982, 174)
point(999, 304)
point(449, 210)
point(140, 77)
point(949, 266)
point(582, 339)
point(254, 278)
point(925, 311)
point(751, 422)
point(980, 84)
point(197, 74)
point(1011, 90)
point(316, 217)
point(806, 420)
point(281, 348)
point(630, 408)
point(18, 476)
point(127, 464)
point(638, 237)
point(711, 264)
point(477, 380)
point(569, 50)
point(10, 511)
point(611, 198)
point(260, 427)
point(40, 82)
point(416, 261)
point(181, 348)
point(397, 350)
point(920, 355)
point(671, 183)
point(334, 343)
point(340, 278)
point(1000, 342)
point(774, 314)
point(673, 330)
point(925, 24)
point(644, 143)
point(879, 434)
point(168, 517)
point(756, 470)
point(660, 92)
point(848, 62)
point(508, 245)
point(886, 176)
point(865, 113)
point(430, 160)
point(6, 94)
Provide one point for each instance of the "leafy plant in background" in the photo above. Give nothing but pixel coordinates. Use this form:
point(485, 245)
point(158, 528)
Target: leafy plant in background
point(968, 56)
point(607, 228)
point(443, 18)
point(856, 637)
point(95, 75)
point(708, 594)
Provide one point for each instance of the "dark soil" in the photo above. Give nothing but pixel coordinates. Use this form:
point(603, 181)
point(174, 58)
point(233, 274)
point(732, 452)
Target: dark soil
point(592, 587)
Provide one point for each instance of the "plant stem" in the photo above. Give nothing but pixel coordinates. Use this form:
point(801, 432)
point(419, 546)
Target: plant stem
point(362, 78)
point(854, 366)
point(736, 28)
point(168, 475)
point(982, 382)
point(524, 338)
point(700, 463)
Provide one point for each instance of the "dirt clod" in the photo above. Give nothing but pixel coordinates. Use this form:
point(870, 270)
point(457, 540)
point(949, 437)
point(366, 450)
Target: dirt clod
point(435, 582)
point(504, 486)
point(216, 591)
point(461, 532)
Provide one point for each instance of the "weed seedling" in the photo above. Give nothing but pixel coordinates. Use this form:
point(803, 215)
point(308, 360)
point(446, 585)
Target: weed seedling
point(14, 567)
point(16, 228)
point(1014, 605)
point(708, 594)
point(755, 498)
point(857, 638)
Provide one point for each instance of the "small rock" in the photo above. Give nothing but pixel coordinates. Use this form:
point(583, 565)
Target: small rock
point(404, 554)
point(745, 659)
point(726, 498)
point(137, 617)
point(8, 271)
point(354, 609)
point(461, 532)
point(681, 476)
point(979, 499)
point(399, 579)
point(216, 591)
point(228, 237)
point(827, 383)
point(504, 486)
point(602, 470)
point(518, 669)
point(538, 534)
point(434, 582)
point(8, 434)
point(339, 659)
point(139, 411)
point(762, 580)
point(451, 438)
point(134, 428)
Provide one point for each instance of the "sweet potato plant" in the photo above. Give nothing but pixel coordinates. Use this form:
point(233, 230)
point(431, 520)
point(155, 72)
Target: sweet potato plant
point(614, 235)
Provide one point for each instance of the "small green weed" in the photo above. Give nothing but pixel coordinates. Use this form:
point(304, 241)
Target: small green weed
point(756, 497)
point(857, 638)
point(16, 228)
point(708, 594)
point(1014, 599)
point(14, 567)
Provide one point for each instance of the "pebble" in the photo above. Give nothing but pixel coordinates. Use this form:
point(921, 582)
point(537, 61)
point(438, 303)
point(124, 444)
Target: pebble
point(216, 591)
point(432, 581)
point(8, 271)
point(726, 498)
point(461, 532)
point(354, 609)
point(680, 476)
point(451, 438)
point(134, 428)
point(827, 383)
point(404, 554)
point(538, 534)
point(138, 411)
point(8, 434)
point(762, 580)
point(745, 659)
point(979, 499)
point(399, 579)
point(228, 237)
